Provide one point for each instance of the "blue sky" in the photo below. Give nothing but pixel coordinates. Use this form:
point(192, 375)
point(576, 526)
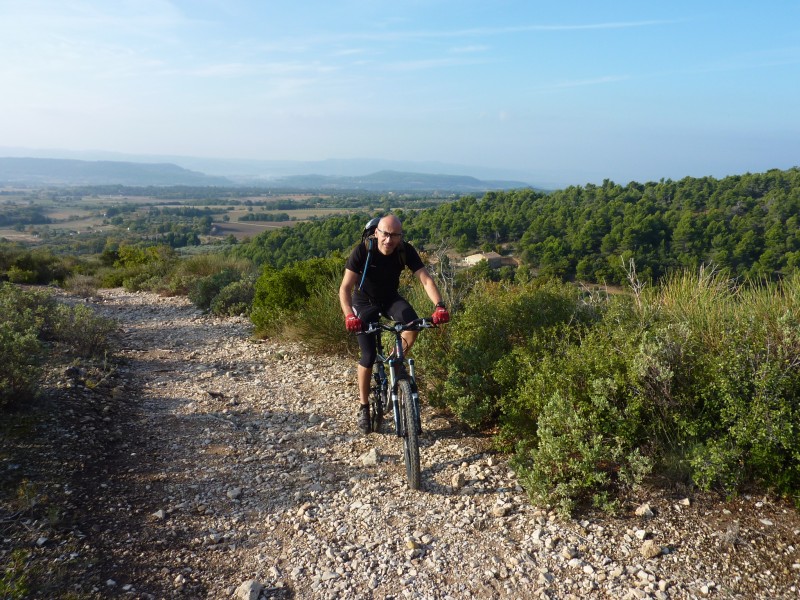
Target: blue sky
point(564, 92)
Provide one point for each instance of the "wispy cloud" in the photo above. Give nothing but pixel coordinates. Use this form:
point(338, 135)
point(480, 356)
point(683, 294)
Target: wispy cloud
point(429, 63)
point(469, 49)
point(477, 32)
point(558, 85)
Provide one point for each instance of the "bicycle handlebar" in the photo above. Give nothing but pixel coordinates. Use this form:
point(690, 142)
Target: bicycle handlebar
point(415, 325)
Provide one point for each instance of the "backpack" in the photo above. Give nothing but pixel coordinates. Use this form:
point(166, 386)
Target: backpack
point(368, 238)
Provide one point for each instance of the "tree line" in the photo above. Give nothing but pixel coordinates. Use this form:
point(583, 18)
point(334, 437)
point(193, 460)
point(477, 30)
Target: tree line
point(747, 225)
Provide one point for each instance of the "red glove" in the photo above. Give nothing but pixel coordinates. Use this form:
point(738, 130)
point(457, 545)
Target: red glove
point(440, 315)
point(352, 322)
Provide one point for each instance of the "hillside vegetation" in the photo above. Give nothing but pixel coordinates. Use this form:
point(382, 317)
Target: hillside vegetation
point(747, 225)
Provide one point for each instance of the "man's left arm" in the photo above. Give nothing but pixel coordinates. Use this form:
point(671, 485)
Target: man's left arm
point(429, 285)
point(440, 314)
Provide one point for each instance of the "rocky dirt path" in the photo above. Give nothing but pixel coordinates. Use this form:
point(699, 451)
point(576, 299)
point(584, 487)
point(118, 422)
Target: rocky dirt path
point(233, 467)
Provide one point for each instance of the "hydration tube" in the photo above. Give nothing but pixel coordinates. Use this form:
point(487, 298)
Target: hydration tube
point(366, 264)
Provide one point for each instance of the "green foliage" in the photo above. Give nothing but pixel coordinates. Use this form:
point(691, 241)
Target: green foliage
point(234, 299)
point(584, 444)
point(280, 295)
point(288, 245)
point(14, 576)
point(697, 378)
point(187, 272)
point(203, 291)
point(30, 320)
point(33, 266)
point(318, 320)
point(139, 267)
point(82, 285)
point(81, 329)
point(495, 319)
point(19, 362)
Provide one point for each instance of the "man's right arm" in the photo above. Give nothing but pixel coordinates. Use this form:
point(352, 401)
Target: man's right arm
point(346, 291)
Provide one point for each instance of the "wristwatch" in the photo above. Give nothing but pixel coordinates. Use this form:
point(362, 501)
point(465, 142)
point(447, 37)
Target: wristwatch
point(440, 304)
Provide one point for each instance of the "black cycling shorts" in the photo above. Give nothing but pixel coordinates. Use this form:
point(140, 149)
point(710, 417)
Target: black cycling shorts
point(396, 309)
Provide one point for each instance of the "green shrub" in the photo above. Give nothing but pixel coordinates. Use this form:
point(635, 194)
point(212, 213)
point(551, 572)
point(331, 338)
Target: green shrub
point(281, 294)
point(588, 427)
point(27, 310)
point(748, 429)
point(496, 318)
point(234, 299)
point(82, 285)
point(141, 267)
point(81, 329)
point(188, 271)
point(32, 319)
point(203, 291)
point(37, 266)
point(20, 353)
point(698, 377)
point(17, 275)
point(14, 576)
point(318, 321)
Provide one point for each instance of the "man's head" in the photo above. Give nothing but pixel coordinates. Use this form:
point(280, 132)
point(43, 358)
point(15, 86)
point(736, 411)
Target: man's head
point(389, 234)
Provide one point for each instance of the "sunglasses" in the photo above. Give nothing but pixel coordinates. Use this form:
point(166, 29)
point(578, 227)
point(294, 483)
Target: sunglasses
point(391, 236)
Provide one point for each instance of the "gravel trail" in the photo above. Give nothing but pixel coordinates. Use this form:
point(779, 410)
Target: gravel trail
point(233, 468)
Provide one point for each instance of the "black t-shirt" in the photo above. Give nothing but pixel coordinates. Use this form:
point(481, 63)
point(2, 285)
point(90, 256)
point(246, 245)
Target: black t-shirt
point(383, 272)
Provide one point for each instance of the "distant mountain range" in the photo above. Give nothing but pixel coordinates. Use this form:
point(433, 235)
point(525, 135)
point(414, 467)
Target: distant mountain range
point(60, 171)
point(332, 175)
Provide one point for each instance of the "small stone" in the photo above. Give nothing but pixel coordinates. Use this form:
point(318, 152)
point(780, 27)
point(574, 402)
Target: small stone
point(765, 522)
point(234, 493)
point(645, 511)
point(500, 510)
point(371, 458)
point(160, 514)
point(576, 563)
point(569, 552)
point(111, 583)
point(458, 481)
point(685, 502)
point(650, 549)
point(249, 590)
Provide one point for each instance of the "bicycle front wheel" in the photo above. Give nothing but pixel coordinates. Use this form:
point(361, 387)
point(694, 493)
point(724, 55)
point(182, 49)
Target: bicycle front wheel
point(410, 436)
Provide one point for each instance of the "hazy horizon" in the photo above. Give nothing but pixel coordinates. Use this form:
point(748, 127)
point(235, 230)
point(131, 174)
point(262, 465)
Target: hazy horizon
point(565, 94)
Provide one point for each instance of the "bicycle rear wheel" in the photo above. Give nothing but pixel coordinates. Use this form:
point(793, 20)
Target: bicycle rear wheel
point(376, 405)
point(410, 437)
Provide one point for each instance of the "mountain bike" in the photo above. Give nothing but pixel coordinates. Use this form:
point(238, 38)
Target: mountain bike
point(394, 388)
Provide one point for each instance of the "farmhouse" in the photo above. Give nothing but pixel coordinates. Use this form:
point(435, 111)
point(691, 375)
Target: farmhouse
point(493, 258)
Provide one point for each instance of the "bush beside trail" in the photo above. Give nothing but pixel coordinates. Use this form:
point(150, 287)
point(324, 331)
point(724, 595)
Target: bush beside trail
point(696, 379)
point(33, 322)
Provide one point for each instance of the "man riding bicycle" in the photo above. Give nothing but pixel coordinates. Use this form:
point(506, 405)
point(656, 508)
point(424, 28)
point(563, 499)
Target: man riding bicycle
point(370, 288)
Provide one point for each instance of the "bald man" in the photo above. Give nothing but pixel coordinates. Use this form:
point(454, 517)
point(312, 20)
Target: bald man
point(362, 303)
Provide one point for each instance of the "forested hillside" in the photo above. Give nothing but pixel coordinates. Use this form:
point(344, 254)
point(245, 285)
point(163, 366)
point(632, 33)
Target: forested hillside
point(747, 224)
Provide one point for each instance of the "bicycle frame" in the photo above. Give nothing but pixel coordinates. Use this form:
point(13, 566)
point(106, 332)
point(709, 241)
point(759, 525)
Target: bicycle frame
point(394, 359)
